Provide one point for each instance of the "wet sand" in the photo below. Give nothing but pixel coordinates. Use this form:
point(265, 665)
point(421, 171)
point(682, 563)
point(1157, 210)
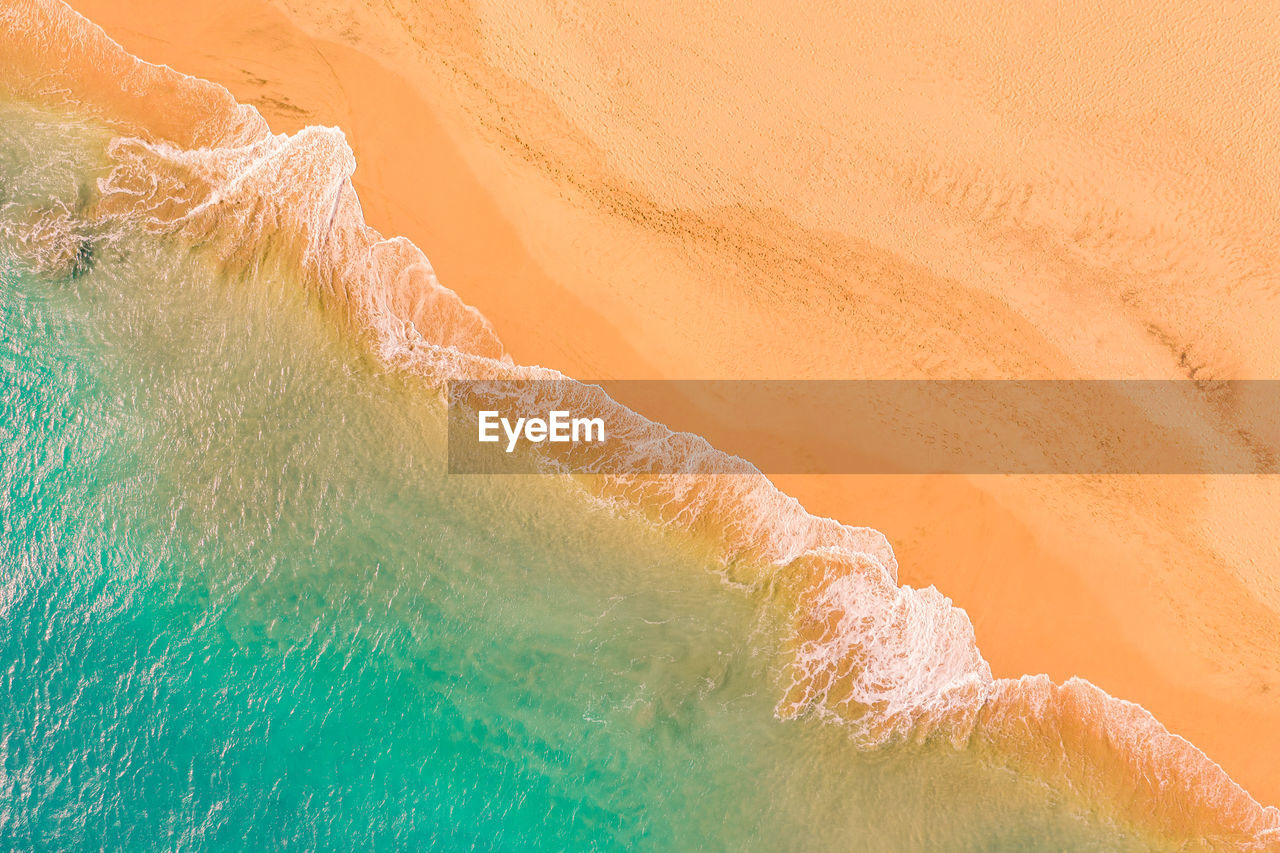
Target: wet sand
point(819, 208)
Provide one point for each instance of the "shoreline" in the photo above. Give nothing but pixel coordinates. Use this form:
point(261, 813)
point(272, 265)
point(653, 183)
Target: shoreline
point(478, 253)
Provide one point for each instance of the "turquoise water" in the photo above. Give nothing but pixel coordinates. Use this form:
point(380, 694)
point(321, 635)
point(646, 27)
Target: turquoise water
point(243, 607)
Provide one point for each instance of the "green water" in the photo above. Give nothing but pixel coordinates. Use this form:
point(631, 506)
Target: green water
point(243, 607)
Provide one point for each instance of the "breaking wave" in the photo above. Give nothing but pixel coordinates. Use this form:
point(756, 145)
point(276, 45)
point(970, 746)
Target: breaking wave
point(888, 662)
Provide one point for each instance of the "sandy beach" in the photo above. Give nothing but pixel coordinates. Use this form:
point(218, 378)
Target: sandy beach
point(884, 196)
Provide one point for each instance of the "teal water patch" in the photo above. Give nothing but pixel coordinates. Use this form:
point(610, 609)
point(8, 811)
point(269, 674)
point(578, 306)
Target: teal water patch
point(242, 605)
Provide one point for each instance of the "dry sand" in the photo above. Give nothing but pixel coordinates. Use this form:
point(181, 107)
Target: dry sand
point(750, 190)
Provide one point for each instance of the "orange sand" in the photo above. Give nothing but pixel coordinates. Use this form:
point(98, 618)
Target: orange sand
point(649, 192)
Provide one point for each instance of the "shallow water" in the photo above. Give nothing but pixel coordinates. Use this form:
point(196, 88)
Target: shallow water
point(243, 605)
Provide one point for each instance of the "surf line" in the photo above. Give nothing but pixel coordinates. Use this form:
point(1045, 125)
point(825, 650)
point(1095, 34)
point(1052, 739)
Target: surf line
point(557, 427)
